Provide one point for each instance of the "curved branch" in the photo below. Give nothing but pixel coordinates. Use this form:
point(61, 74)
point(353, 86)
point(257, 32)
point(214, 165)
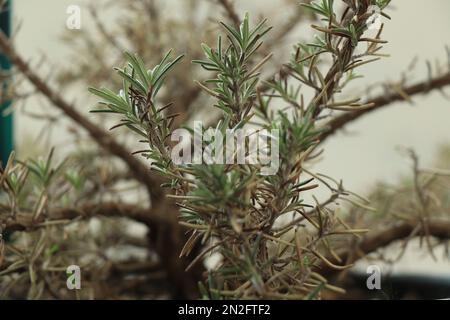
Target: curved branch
point(377, 239)
point(384, 100)
point(25, 222)
point(231, 11)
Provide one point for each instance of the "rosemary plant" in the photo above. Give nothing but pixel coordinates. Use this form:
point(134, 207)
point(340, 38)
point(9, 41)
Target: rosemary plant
point(232, 210)
point(214, 230)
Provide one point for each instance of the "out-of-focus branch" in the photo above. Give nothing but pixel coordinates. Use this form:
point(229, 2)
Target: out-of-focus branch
point(24, 222)
point(140, 171)
point(103, 31)
point(378, 239)
point(183, 103)
point(385, 100)
point(231, 11)
point(300, 16)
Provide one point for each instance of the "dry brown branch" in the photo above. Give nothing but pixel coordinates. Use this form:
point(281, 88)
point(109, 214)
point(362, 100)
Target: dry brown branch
point(231, 11)
point(24, 221)
point(385, 100)
point(379, 239)
point(103, 31)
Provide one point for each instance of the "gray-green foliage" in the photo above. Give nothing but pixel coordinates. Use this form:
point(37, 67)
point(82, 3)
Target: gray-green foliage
point(231, 209)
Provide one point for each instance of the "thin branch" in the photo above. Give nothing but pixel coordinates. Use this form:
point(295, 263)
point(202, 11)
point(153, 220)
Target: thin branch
point(25, 222)
point(300, 16)
point(385, 100)
point(378, 239)
point(109, 37)
point(231, 11)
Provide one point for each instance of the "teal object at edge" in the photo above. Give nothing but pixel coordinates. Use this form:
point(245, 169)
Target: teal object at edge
point(6, 122)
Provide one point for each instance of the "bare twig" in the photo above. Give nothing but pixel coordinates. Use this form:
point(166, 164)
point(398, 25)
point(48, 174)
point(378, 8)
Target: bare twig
point(25, 221)
point(378, 239)
point(231, 11)
point(385, 100)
